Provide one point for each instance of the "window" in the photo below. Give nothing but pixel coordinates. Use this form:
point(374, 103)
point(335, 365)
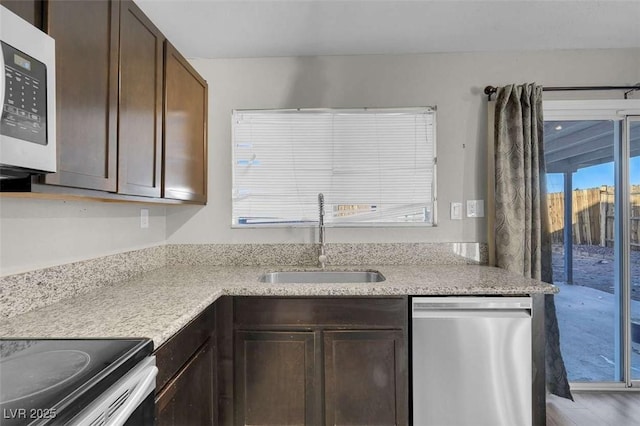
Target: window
point(374, 166)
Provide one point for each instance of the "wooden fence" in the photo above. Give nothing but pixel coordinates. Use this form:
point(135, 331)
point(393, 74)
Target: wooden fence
point(593, 216)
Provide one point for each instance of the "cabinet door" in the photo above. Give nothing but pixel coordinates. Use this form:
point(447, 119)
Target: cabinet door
point(365, 378)
point(29, 10)
point(185, 130)
point(140, 106)
point(86, 34)
point(188, 399)
point(275, 378)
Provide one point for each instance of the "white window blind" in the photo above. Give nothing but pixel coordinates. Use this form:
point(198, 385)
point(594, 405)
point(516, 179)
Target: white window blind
point(374, 166)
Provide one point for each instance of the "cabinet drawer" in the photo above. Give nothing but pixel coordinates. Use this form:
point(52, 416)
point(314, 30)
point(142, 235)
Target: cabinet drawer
point(321, 312)
point(176, 351)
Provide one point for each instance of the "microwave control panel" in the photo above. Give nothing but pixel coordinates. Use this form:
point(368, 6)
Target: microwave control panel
point(24, 107)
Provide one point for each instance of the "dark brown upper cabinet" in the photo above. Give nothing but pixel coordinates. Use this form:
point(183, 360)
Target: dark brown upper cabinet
point(140, 106)
point(185, 130)
point(86, 34)
point(29, 10)
point(131, 111)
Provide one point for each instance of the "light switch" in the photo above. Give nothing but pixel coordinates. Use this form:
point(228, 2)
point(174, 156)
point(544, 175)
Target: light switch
point(456, 211)
point(475, 208)
point(144, 218)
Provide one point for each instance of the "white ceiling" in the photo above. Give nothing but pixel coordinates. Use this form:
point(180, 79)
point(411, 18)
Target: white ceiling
point(258, 28)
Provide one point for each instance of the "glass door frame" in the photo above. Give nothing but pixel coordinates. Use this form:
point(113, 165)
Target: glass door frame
point(623, 112)
point(626, 243)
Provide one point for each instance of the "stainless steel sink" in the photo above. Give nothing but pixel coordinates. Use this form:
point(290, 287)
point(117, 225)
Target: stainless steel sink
point(322, 277)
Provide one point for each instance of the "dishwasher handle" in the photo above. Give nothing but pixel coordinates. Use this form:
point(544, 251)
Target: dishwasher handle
point(472, 313)
point(422, 304)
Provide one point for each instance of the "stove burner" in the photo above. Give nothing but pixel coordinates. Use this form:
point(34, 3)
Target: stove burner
point(39, 372)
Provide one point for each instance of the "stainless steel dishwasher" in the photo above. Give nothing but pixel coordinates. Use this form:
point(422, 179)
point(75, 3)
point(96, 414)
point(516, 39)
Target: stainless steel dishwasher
point(471, 361)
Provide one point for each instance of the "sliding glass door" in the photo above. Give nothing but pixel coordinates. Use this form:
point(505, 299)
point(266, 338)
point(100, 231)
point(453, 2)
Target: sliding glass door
point(592, 153)
point(579, 155)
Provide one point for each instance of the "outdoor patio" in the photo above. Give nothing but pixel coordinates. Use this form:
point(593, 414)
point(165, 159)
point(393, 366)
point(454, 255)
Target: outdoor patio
point(585, 312)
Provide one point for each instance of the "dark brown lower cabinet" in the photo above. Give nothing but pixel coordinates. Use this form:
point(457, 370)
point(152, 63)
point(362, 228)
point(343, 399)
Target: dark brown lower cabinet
point(188, 399)
point(315, 361)
point(365, 374)
point(288, 361)
point(277, 378)
point(186, 386)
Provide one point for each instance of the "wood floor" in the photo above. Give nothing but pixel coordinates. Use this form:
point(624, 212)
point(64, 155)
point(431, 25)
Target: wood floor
point(594, 409)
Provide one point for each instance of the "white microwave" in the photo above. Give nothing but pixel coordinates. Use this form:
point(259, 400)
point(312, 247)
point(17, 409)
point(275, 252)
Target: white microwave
point(27, 97)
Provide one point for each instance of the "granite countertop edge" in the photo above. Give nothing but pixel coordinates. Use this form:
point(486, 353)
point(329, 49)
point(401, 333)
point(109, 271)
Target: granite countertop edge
point(159, 303)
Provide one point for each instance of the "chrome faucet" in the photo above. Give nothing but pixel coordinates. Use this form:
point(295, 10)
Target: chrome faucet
point(322, 258)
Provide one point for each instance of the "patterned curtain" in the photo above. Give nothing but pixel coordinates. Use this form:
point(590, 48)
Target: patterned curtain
point(522, 240)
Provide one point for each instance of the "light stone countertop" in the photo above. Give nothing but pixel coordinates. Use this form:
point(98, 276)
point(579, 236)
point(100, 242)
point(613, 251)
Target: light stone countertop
point(159, 303)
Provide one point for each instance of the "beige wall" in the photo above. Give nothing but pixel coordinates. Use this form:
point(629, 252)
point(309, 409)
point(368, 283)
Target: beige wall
point(452, 82)
point(41, 233)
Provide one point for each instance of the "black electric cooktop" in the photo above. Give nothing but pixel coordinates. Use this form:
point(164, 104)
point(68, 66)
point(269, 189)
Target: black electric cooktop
point(49, 381)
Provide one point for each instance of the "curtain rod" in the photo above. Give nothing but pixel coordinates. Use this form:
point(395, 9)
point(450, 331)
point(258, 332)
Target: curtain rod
point(490, 90)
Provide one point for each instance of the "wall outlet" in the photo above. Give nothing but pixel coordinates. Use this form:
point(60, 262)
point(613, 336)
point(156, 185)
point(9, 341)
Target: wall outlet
point(456, 211)
point(475, 208)
point(144, 218)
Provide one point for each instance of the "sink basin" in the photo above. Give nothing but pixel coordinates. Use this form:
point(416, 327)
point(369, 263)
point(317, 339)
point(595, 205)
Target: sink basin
point(322, 277)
